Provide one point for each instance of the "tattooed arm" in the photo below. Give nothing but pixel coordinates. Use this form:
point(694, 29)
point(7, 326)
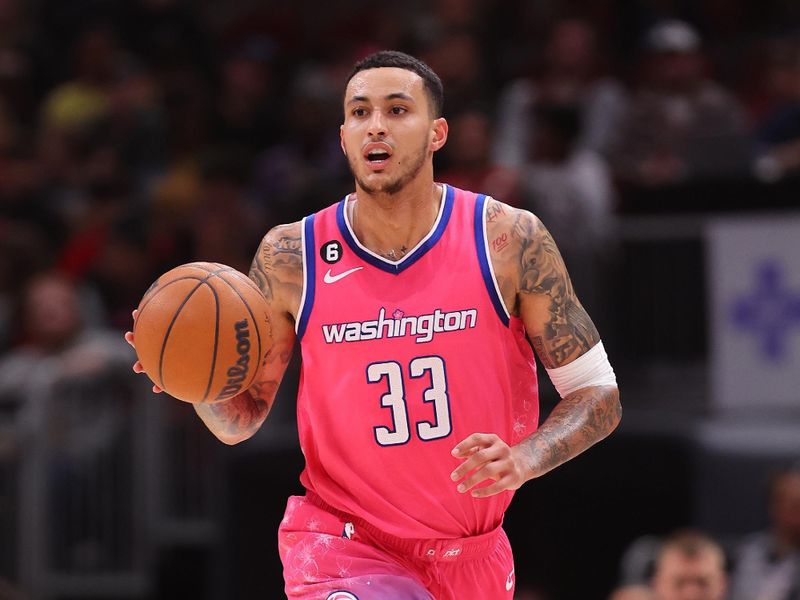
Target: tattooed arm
point(536, 287)
point(278, 270)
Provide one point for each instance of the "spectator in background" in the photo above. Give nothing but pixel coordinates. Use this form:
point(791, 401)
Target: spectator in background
point(571, 74)
point(17, 58)
point(778, 132)
point(76, 147)
point(569, 188)
point(681, 126)
point(449, 15)
point(51, 322)
point(23, 253)
point(21, 176)
point(165, 34)
point(56, 342)
point(767, 564)
point(468, 158)
point(638, 559)
point(135, 125)
point(85, 97)
point(226, 224)
point(20, 172)
point(248, 108)
point(456, 58)
point(293, 175)
point(122, 269)
point(9, 591)
point(690, 566)
point(68, 388)
point(102, 203)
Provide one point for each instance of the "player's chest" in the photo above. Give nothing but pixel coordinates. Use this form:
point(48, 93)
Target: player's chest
point(416, 310)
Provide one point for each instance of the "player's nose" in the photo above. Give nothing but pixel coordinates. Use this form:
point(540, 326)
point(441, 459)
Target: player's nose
point(377, 124)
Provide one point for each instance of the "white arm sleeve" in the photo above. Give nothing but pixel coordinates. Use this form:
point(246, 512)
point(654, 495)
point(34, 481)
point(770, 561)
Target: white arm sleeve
point(591, 368)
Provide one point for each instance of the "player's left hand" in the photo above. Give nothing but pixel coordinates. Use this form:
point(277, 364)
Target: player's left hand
point(489, 457)
point(137, 366)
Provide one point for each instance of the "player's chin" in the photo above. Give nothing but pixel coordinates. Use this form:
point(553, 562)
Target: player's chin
point(376, 169)
point(378, 183)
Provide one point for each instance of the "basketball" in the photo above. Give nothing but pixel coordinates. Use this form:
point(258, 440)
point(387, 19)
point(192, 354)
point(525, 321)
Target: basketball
point(200, 332)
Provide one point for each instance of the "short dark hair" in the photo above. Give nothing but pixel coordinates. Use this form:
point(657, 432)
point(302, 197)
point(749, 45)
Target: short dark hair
point(401, 60)
point(691, 543)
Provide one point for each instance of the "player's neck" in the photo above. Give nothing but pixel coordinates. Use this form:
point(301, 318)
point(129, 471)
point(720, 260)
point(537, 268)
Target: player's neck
point(391, 225)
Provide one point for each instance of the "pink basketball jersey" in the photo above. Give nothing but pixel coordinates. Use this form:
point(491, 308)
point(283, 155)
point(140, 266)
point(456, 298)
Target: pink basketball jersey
point(401, 360)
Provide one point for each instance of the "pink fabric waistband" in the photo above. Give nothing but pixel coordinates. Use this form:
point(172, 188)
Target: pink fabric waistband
point(437, 549)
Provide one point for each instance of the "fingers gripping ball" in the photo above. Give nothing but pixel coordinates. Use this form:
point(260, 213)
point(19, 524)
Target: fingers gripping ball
point(200, 333)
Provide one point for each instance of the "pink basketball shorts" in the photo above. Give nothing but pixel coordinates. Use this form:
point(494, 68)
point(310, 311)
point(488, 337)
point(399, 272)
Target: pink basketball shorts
point(328, 555)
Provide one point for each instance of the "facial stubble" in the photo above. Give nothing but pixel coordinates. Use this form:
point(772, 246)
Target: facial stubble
point(392, 187)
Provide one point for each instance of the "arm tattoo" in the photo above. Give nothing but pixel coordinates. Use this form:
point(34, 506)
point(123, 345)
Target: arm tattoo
point(534, 284)
point(493, 211)
point(277, 269)
point(238, 417)
point(533, 280)
point(577, 422)
point(567, 332)
point(278, 265)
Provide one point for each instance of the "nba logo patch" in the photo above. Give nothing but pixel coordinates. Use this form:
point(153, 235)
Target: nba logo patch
point(341, 595)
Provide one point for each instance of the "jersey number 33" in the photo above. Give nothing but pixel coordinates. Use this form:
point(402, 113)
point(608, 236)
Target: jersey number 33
point(395, 399)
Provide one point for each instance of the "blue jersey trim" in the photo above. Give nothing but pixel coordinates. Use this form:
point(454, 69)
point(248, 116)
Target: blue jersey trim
point(483, 260)
point(310, 274)
point(408, 259)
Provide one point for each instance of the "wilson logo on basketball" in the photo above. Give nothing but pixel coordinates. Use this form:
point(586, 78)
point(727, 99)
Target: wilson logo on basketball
point(238, 372)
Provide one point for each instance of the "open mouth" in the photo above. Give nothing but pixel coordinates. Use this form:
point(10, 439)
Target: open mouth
point(377, 154)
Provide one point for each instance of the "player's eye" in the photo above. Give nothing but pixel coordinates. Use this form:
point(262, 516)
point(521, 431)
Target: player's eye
point(359, 112)
point(398, 110)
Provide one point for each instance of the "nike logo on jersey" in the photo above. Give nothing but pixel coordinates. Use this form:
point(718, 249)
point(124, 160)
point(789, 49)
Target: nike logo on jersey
point(510, 581)
point(329, 278)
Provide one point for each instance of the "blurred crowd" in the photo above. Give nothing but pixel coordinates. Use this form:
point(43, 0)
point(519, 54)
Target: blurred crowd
point(141, 134)
point(691, 565)
point(138, 135)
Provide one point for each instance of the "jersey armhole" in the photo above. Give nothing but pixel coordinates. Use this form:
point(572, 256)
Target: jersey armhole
point(309, 275)
point(485, 260)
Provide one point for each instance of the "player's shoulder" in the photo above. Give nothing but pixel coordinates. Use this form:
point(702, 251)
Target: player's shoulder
point(507, 226)
point(282, 249)
point(283, 232)
point(277, 266)
point(518, 243)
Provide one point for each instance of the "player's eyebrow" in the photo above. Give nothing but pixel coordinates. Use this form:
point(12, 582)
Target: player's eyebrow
point(392, 96)
point(400, 96)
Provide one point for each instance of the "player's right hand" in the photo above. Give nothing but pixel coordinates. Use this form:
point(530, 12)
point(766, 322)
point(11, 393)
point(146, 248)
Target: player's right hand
point(137, 366)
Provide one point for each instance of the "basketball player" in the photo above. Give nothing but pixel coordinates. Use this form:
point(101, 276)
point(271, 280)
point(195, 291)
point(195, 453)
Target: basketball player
point(418, 408)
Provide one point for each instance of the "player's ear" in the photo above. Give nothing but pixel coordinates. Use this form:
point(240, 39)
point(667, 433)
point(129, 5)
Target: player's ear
point(438, 133)
point(341, 139)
